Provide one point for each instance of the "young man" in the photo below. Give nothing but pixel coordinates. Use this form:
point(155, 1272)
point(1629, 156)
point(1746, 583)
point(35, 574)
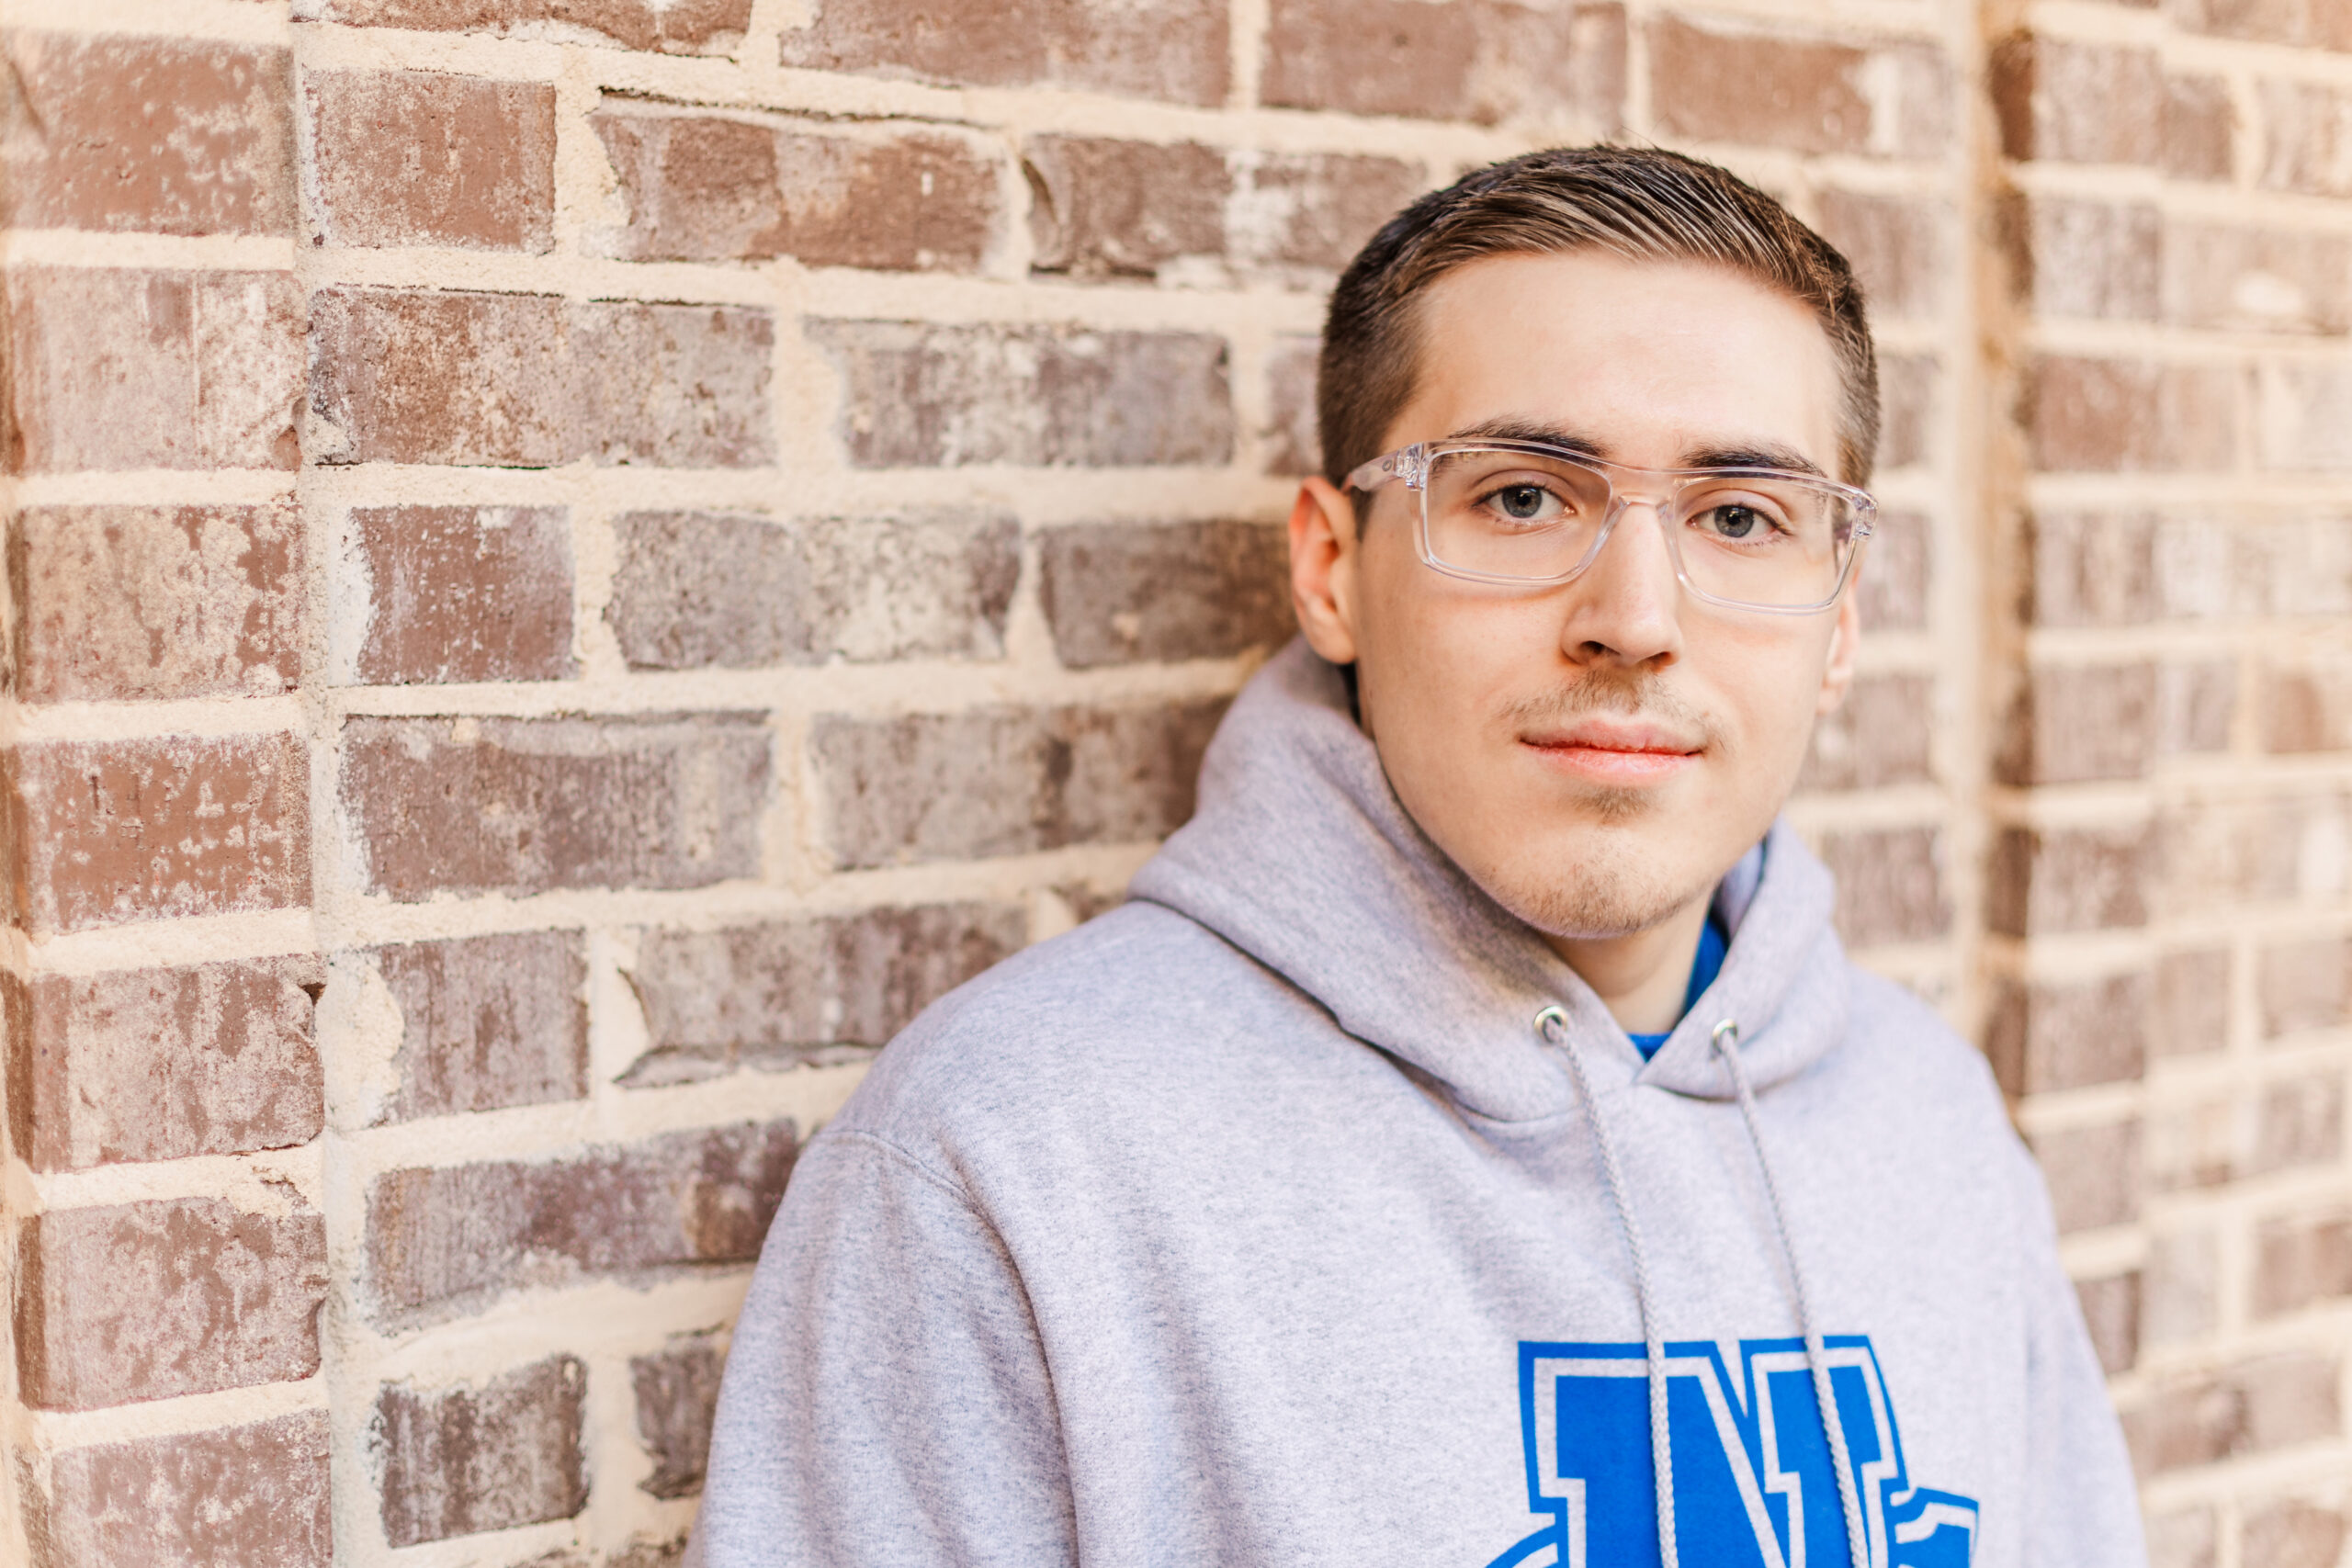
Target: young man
point(1469, 1146)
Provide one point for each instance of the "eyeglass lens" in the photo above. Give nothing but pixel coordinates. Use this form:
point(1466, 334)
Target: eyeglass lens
point(1753, 540)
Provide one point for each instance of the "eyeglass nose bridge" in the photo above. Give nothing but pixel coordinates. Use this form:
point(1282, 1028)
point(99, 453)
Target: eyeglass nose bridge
point(1620, 503)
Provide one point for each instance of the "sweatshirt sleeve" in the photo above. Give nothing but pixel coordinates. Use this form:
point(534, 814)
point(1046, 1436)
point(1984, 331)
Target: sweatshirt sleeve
point(885, 1399)
point(2082, 1507)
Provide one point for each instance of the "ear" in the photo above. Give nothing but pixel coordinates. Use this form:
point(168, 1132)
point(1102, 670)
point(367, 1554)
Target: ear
point(1323, 569)
point(1845, 642)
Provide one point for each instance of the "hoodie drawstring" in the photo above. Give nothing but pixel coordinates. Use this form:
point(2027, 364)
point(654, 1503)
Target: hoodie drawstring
point(1552, 1024)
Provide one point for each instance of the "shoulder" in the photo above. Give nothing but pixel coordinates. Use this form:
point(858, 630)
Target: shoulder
point(1139, 1007)
point(1905, 1044)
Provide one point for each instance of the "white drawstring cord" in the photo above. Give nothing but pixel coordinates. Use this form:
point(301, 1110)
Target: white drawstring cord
point(1552, 1025)
point(1817, 1355)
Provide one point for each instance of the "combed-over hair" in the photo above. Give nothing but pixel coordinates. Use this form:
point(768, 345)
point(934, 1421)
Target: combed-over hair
point(1638, 203)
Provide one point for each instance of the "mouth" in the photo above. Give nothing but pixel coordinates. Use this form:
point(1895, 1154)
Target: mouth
point(1628, 753)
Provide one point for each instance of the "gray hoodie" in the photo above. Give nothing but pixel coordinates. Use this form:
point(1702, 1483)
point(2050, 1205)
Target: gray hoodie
point(1307, 1209)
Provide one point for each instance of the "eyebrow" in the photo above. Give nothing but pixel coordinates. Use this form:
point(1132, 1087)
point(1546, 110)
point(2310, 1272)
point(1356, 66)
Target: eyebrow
point(1758, 454)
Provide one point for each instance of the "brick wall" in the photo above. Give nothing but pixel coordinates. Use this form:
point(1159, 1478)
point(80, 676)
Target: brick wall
point(571, 562)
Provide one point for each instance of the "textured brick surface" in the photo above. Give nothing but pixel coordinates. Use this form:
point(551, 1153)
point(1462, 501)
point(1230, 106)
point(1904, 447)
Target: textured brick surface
point(159, 1064)
point(156, 135)
point(1900, 250)
point(698, 589)
point(1893, 585)
point(2251, 1408)
point(461, 1460)
point(2094, 1174)
point(2302, 1262)
point(2192, 1004)
point(141, 829)
point(679, 26)
point(2070, 725)
point(2304, 985)
point(916, 396)
point(134, 369)
point(809, 991)
point(1890, 885)
point(2107, 415)
point(466, 592)
point(1120, 592)
point(417, 158)
point(1177, 50)
point(2069, 879)
point(2046, 1037)
point(1809, 95)
point(2294, 1533)
point(1484, 62)
point(251, 1496)
point(676, 1391)
point(487, 1021)
point(1005, 780)
point(522, 806)
point(2111, 1313)
point(700, 187)
point(527, 380)
point(118, 602)
point(2084, 102)
point(145, 1300)
point(1878, 736)
point(436, 1234)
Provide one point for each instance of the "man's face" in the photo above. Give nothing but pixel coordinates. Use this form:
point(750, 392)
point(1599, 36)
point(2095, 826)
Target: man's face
point(1595, 754)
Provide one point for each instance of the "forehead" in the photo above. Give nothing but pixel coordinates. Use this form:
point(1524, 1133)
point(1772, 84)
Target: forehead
point(1649, 361)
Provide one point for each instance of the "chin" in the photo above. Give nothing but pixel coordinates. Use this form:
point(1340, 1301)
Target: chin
point(1590, 885)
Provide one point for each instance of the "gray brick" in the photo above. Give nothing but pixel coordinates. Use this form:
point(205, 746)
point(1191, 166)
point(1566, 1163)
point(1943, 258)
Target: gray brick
point(676, 1390)
point(459, 1461)
point(255, 1496)
point(1123, 592)
point(487, 1021)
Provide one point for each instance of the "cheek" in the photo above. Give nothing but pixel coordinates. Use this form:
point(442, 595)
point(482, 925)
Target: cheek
point(1773, 690)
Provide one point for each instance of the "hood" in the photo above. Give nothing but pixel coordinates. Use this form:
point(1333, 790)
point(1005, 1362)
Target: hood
point(1301, 855)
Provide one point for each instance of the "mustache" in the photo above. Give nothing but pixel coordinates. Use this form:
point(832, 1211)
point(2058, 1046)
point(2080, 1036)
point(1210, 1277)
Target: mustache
point(1642, 697)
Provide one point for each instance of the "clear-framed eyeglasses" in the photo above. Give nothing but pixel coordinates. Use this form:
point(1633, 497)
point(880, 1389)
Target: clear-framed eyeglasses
point(1526, 512)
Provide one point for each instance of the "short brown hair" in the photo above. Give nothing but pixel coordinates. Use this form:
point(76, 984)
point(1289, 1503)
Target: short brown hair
point(1639, 203)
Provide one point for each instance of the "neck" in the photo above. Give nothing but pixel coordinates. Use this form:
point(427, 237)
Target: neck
point(1640, 977)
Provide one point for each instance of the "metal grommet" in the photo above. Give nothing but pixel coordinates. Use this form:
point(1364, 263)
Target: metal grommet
point(1552, 1023)
point(1726, 1035)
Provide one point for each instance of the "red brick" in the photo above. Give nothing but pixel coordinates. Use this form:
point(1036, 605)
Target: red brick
point(1291, 447)
point(1310, 212)
point(1120, 592)
point(1809, 94)
point(924, 396)
point(116, 602)
point(2253, 1407)
point(2319, 24)
point(487, 1021)
point(2069, 879)
point(2234, 279)
point(1106, 209)
point(466, 592)
point(2130, 416)
point(2067, 725)
point(2290, 1532)
point(162, 1064)
point(120, 369)
point(2301, 1262)
point(418, 158)
point(2095, 260)
point(548, 381)
point(1178, 51)
point(684, 1201)
point(1900, 249)
point(1909, 419)
point(1890, 885)
point(702, 187)
point(670, 26)
point(2077, 102)
point(2094, 1174)
point(1483, 61)
point(2187, 1538)
point(2248, 851)
point(146, 1301)
point(2193, 1013)
point(1878, 736)
point(2304, 985)
point(2310, 145)
point(2045, 1036)
point(2195, 703)
point(1891, 582)
point(698, 589)
point(252, 1496)
point(2111, 1312)
point(1005, 780)
point(521, 805)
point(147, 134)
point(816, 991)
point(2198, 130)
point(676, 1388)
point(147, 829)
point(457, 1460)
point(2306, 708)
point(2090, 568)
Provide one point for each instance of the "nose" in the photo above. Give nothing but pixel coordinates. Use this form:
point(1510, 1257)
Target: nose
point(1626, 608)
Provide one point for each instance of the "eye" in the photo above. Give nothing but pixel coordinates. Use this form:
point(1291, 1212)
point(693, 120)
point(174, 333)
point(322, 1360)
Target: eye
point(1737, 521)
point(1522, 502)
